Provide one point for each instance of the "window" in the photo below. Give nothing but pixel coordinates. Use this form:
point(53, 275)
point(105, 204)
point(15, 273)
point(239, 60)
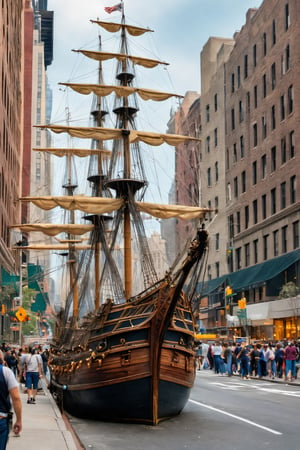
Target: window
point(255, 213)
point(255, 250)
point(234, 153)
point(290, 99)
point(232, 83)
point(273, 117)
point(275, 243)
point(216, 202)
point(273, 76)
point(247, 254)
point(238, 264)
point(238, 76)
point(287, 58)
point(217, 241)
point(284, 239)
point(228, 192)
point(238, 222)
point(263, 162)
point(207, 113)
point(216, 172)
point(292, 144)
point(209, 177)
point(264, 127)
point(283, 195)
point(282, 107)
point(216, 136)
point(273, 159)
point(246, 66)
point(243, 181)
point(231, 226)
point(207, 144)
point(254, 172)
point(232, 119)
point(264, 206)
point(273, 32)
point(283, 150)
point(287, 19)
point(254, 55)
point(227, 158)
point(242, 146)
point(236, 187)
point(255, 135)
point(241, 111)
point(293, 189)
point(265, 44)
point(246, 217)
point(248, 101)
point(217, 265)
point(255, 96)
point(296, 234)
point(273, 201)
point(216, 102)
point(264, 85)
point(265, 246)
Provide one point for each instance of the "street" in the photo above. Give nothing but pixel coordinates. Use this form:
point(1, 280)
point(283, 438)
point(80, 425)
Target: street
point(222, 412)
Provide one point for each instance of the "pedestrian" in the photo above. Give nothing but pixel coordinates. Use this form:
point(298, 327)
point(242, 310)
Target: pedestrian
point(210, 356)
point(33, 365)
point(271, 364)
point(279, 359)
point(254, 358)
point(205, 360)
point(262, 363)
point(218, 363)
point(11, 360)
point(227, 354)
point(8, 390)
point(243, 356)
point(290, 361)
point(198, 354)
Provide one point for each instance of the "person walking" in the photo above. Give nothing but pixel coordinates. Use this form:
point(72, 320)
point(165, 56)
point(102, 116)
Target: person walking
point(262, 362)
point(217, 352)
point(8, 390)
point(33, 364)
point(243, 356)
point(290, 361)
point(279, 360)
point(254, 358)
point(227, 354)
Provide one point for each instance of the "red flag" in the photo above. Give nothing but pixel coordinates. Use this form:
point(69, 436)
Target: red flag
point(110, 9)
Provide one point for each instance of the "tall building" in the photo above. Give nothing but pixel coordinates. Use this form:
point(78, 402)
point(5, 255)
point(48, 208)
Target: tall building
point(11, 124)
point(250, 91)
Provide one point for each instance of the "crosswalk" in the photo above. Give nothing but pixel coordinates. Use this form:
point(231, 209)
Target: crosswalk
point(232, 385)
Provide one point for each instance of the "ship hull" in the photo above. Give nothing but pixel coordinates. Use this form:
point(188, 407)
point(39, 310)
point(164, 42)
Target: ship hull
point(127, 402)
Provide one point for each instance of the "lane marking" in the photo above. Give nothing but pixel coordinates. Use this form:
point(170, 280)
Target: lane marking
point(249, 422)
point(234, 386)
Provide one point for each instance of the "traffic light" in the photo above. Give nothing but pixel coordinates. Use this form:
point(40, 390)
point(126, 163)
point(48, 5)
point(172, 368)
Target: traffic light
point(3, 309)
point(228, 291)
point(242, 303)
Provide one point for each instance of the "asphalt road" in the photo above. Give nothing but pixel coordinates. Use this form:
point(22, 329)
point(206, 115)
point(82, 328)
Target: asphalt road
point(223, 413)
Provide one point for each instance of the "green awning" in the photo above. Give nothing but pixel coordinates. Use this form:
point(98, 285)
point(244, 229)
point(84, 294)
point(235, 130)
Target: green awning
point(253, 276)
point(9, 280)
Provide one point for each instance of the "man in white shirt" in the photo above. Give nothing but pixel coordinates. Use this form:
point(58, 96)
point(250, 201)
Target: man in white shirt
point(33, 364)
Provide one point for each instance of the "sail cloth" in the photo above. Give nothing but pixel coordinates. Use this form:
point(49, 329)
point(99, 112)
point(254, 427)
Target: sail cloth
point(51, 229)
point(115, 27)
point(81, 152)
point(92, 205)
point(112, 133)
point(171, 211)
point(103, 56)
point(121, 91)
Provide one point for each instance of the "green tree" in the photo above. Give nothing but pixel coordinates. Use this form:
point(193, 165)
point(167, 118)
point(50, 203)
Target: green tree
point(288, 290)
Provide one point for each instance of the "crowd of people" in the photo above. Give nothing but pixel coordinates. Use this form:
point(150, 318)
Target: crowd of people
point(266, 359)
point(18, 365)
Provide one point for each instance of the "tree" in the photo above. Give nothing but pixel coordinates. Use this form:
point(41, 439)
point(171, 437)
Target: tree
point(288, 290)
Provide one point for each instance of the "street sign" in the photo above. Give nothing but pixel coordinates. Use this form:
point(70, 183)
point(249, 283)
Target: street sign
point(21, 314)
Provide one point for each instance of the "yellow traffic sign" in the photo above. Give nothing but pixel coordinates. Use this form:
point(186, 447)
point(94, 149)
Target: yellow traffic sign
point(21, 314)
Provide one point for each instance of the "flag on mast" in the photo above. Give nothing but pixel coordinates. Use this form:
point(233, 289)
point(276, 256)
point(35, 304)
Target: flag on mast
point(110, 9)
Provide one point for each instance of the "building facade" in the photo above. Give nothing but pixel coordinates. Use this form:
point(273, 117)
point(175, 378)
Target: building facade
point(250, 161)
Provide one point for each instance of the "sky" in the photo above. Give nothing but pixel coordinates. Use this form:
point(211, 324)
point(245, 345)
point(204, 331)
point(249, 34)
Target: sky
point(182, 27)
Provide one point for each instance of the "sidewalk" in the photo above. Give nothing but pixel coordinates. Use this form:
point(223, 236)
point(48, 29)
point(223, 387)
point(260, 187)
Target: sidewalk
point(43, 426)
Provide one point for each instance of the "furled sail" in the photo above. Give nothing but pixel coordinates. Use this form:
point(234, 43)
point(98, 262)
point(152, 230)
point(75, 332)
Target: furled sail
point(92, 205)
point(170, 211)
point(112, 133)
point(121, 91)
point(115, 27)
point(81, 152)
point(103, 56)
point(51, 229)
